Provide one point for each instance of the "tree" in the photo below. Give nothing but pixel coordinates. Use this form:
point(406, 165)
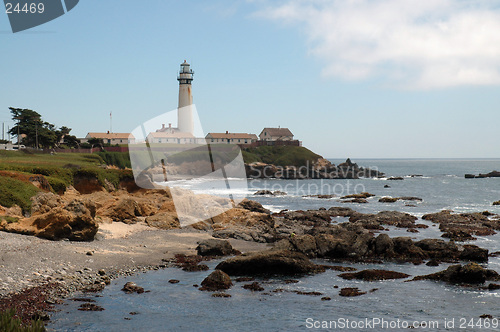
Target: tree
point(31, 129)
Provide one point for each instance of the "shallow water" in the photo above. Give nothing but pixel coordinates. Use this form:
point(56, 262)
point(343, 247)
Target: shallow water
point(181, 307)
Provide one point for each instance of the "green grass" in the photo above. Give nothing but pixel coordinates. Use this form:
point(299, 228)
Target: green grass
point(9, 220)
point(16, 192)
point(280, 155)
point(59, 169)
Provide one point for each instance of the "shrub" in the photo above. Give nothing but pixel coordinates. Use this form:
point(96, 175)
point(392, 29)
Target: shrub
point(10, 323)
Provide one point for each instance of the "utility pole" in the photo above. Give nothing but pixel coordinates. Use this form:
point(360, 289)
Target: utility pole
point(36, 134)
point(3, 131)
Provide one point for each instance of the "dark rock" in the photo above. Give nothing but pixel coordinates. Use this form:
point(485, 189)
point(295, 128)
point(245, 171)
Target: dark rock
point(253, 206)
point(90, 307)
point(336, 211)
point(305, 244)
point(432, 262)
point(486, 316)
point(387, 186)
point(217, 280)
point(410, 198)
point(214, 247)
point(496, 203)
point(131, 287)
point(195, 268)
point(395, 178)
point(326, 298)
point(308, 293)
point(282, 262)
point(470, 273)
point(263, 192)
point(388, 199)
point(349, 292)
point(221, 295)
point(383, 244)
point(244, 279)
point(356, 200)
point(474, 253)
point(291, 281)
point(254, 287)
point(371, 275)
point(339, 268)
point(493, 286)
point(462, 227)
point(361, 195)
point(173, 281)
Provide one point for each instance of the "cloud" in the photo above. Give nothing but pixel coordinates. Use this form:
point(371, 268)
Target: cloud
point(420, 44)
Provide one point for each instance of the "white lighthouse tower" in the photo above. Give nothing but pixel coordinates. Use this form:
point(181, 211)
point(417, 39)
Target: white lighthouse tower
point(185, 112)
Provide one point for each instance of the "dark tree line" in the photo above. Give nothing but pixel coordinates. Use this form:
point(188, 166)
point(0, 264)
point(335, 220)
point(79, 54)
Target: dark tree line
point(35, 132)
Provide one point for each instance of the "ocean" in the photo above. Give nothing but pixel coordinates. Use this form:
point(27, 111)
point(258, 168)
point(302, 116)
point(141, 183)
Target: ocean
point(388, 305)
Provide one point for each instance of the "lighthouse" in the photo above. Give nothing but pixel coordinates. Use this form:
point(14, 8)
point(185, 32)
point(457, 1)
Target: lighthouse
point(184, 111)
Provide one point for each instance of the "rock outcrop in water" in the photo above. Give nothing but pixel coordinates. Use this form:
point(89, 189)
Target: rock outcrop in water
point(493, 174)
point(471, 273)
point(279, 262)
point(463, 226)
point(217, 280)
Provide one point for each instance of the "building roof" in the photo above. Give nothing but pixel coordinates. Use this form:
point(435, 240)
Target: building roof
point(177, 134)
point(232, 136)
point(278, 131)
point(110, 135)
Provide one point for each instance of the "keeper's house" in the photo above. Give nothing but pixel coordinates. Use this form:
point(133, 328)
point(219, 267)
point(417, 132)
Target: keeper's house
point(174, 137)
point(230, 138)
point(112, 138)
point(276, 134)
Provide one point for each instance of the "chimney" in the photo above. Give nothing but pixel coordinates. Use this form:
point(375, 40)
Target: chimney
point(108, 131)
point(170, 125)
point(162, 126)
point(227, 132)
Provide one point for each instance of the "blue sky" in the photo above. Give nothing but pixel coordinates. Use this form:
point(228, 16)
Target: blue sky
point(350, 78)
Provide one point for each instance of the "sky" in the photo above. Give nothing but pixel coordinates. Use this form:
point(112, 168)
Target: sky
point(349, 78)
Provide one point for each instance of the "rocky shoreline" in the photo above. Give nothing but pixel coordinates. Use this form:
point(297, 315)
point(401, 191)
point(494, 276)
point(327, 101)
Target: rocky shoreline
point(133, 232)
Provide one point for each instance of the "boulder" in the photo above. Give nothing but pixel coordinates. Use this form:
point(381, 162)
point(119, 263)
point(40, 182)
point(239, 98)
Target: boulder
point(126, 210)
point(253, 206)
point(164, 220)
point(214, 247)
point(383, 244)
point(131, 287)
point(217, 280)
point(282, 262)
point(305, 244)
point(471, 273)
point(474, 253)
